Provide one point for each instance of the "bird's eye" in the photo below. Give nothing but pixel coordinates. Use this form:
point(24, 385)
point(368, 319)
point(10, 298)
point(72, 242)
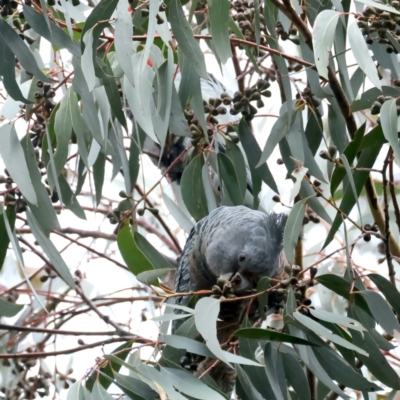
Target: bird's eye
point(242, 257)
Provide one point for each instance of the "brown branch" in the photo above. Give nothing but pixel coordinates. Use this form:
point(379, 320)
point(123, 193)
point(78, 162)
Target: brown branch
point(92, 250)
point(118, 330)
point(238, 71)
point(54, 331)
point(393, 194)
point(389, 261)
point(45, 354)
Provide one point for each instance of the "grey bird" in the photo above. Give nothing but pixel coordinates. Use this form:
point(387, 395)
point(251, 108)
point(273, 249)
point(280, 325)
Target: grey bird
point(236, 245)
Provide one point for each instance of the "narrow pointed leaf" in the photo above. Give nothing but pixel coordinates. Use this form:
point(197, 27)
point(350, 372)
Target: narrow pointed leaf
point(323, 36)
point(14, 158)
point(184, 35)
point(362, 55)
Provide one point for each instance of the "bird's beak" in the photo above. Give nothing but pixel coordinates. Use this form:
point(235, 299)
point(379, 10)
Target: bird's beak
point(240, 283)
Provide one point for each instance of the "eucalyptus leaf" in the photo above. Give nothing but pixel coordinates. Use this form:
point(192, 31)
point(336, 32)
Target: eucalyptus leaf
point(323, 37)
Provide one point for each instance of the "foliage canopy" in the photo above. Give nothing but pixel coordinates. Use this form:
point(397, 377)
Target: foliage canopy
point(92, 89)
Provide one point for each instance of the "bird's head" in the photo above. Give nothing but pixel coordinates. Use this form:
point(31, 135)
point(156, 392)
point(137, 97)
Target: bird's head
point(242, 255)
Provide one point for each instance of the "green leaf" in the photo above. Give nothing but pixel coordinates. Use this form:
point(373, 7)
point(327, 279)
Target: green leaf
point(219, 20)
point(321, 330)
point(295, 375)
point(150, 277)
point(4, 239)
point(229, 178)
point(190, 345)
point(271, 356)
point(169, 317)
point(77, 391)
point(186, 383)
point(136, 389)
point(8, 309)
point(381, 311)
point(270, 335)
point(366, 99)
point(151, 30)
point(184, 36)
point(366, 160)
point(293, 228)
point(50, 250)
point(206, 314)
point(123, 39)
point(337, 125)
point(337, 319)
point(244, 387)
point(89, 111)
point(63, 131)
point(350, 152)
point(361, 54)
point(351, 182)
point(136, 261)
point(18, 255)
point(178, 214)
point(103, 11)
point(21, 51)
point(193, 193)
point(87, 60)
point(279, 130)
point(257, 23)
point(389, 126)
point(69, 198)
point(390, 292)
point(99, 392)
point(108, 369)
point(381, 6)
point(114, 98)
point(335, 283)
point(155, 257)
point(253, 154)
point(98, 175)
point(80, 129)
point(256, 375)
point(140, 97)
point(307, 355)
point(323, 35)
point(56, 36)
point(307, 191)
point(14, 158)
point(376, 362)
point(235, 154)
point(339, 370)
point(7, 70)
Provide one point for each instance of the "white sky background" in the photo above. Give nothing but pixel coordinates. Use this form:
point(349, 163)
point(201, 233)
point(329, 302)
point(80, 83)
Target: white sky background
point(102, 277)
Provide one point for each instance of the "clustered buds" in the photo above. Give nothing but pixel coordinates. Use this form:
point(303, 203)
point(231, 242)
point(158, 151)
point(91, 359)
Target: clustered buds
point(380, 24)
point(7, 7)
point(285, 35)
point(307, 96)
point(377, 105)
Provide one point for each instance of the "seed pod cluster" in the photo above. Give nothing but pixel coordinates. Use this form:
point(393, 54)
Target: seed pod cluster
point(376, 106)
point(285, 35)
point(245, 19)
point(375, 24)
point(7, 7)
point(307, 97)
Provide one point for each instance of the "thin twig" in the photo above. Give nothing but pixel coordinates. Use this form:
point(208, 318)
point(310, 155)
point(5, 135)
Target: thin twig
point(389, 261)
